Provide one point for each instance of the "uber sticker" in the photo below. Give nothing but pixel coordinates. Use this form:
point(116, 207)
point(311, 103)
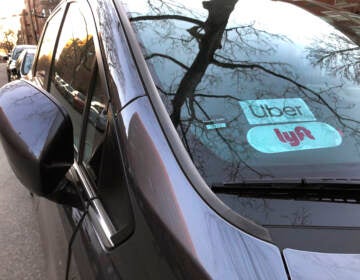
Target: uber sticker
point(269, 111)
point(293, 137)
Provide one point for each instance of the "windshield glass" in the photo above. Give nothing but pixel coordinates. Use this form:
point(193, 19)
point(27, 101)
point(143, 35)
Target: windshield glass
point(256, 93)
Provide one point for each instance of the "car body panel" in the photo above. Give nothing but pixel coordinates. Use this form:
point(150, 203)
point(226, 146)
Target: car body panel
point(304, 265)
point(55, 240)
point(192, 221)
point(154, 223)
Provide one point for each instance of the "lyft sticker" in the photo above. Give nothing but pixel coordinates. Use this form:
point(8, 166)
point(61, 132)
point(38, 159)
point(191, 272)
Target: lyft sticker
point(269, 111)
point(293, 137)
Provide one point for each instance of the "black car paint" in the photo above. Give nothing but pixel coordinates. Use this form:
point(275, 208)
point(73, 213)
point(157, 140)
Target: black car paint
point(163, 245)
point(33, 154)
point(181, 230)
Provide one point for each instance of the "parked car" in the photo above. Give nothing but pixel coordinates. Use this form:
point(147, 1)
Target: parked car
point(24, 62)
point(11, 64)
point(226, 142)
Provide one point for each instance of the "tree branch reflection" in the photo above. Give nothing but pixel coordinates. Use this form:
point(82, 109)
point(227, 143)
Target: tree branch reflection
point(217, 59)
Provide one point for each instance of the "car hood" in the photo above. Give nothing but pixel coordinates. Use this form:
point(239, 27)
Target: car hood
point(303, 265)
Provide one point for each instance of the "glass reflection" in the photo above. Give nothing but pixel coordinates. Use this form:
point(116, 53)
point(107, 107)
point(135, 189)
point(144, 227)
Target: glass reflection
point(75, 63)
point(208, 57)
point(47, 48)
point(232, 74)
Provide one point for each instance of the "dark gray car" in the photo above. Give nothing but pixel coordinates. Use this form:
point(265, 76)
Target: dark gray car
point(195, 139)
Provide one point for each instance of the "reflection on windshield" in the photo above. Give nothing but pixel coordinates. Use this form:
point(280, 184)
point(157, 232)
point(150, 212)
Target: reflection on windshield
point(250, 92)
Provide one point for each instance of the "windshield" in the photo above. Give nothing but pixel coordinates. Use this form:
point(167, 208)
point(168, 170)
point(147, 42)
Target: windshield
point(256, 93)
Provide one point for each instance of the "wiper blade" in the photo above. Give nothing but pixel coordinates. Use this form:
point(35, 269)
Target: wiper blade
point(306, 188)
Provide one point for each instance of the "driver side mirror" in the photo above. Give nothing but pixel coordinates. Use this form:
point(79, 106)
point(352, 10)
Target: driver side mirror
point(37, 137)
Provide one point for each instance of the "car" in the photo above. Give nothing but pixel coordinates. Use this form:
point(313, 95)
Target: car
point(213, 139)
point(11, 67)
point(24, 62)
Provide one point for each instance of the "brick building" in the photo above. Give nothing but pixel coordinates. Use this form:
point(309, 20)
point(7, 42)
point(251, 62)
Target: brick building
point(342, 14)
point(33, 19)
point(319, 6)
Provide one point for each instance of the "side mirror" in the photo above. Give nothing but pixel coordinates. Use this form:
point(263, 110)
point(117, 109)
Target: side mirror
point(37, 137)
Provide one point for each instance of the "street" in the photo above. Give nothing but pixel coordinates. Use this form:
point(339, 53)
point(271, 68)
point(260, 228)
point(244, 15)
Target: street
point(21, 250)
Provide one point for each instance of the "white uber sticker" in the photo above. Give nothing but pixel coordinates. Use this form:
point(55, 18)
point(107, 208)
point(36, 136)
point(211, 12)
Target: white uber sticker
point(271, 111)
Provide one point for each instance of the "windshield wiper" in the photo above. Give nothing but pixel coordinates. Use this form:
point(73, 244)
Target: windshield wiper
point(306, 188)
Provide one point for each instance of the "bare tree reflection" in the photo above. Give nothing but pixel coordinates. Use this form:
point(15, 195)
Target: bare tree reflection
point(213, 52)
point(337, 55)
point(212, 63)
point(211, 35)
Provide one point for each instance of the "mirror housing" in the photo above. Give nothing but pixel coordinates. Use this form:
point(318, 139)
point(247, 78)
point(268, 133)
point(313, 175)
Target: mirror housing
point(37, 137)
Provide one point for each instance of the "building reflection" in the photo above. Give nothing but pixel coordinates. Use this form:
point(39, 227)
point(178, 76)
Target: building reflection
point(343, 15)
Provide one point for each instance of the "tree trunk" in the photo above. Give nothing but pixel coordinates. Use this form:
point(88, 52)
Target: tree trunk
point(210, 41)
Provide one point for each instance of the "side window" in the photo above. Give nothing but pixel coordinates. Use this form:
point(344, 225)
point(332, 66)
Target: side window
point(74, 66)
point(46, 49)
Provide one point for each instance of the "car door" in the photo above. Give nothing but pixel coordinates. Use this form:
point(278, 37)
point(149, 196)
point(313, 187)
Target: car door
point(77, 81)
point(109, 244)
